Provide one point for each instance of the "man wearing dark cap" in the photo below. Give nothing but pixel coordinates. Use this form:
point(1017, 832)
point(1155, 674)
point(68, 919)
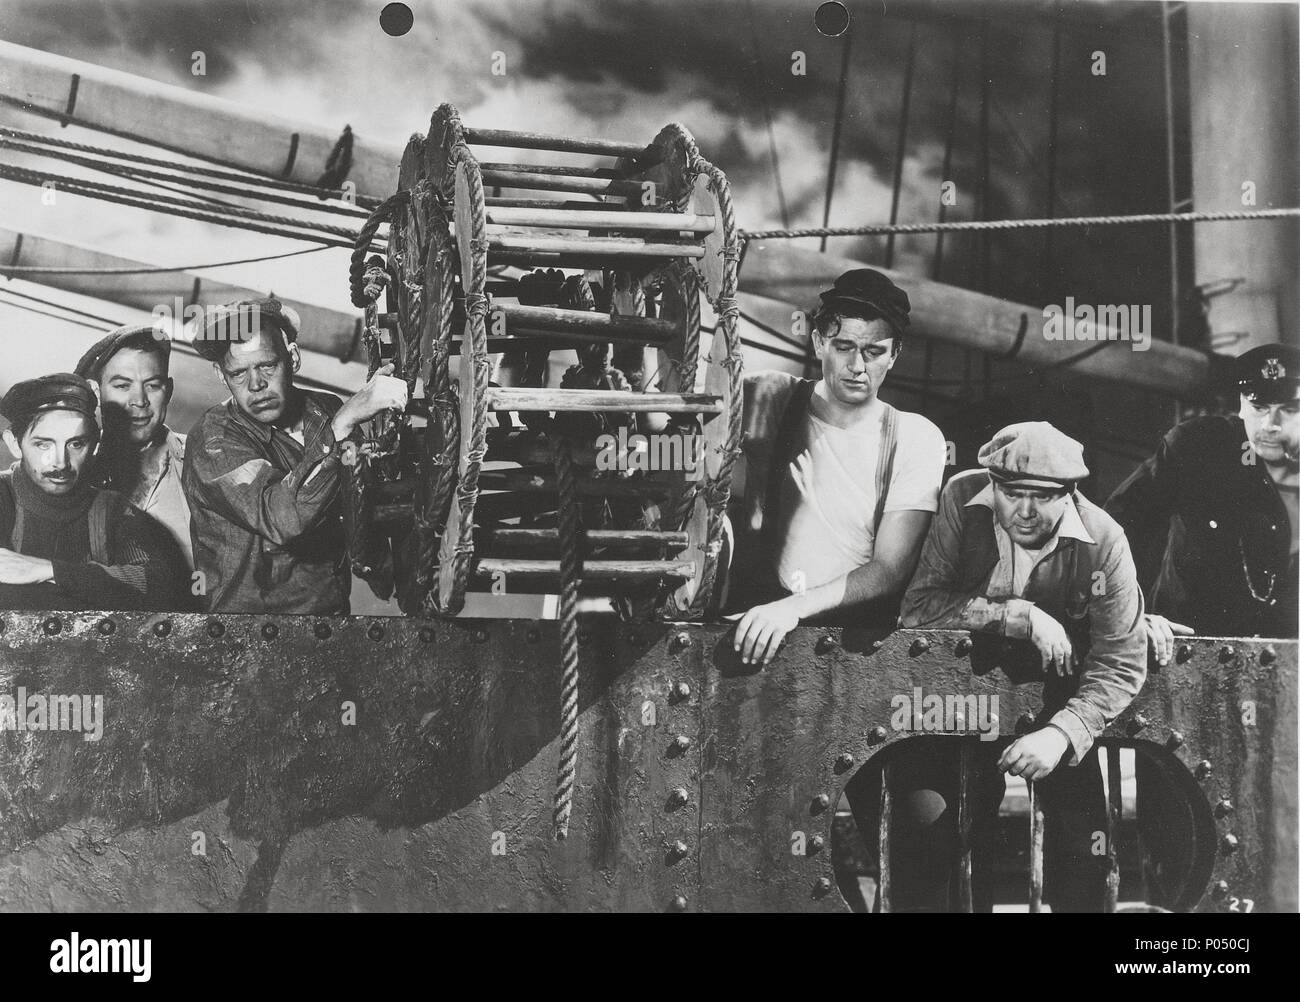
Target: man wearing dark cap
point(1212, 514)
point(139, 456)
point(840, 486)
point(64, 543)
point(1018, 553)
point(263, 470)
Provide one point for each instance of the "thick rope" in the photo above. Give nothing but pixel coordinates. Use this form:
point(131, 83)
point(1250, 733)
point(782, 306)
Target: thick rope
point(357, 268)
point(570, 573)
point(239, 175)
point(24, 269)
point(1021, 224)
point(247, 219)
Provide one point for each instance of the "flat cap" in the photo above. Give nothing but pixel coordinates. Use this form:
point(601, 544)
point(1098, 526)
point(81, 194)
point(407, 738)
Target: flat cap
point(231, 323)
point(1269, 374)
point(1033, 453)
point(93, 361)
point(863, 289)
point(62, 391)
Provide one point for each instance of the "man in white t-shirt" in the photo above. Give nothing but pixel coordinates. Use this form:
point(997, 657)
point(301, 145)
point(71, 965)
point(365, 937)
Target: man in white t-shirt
point(839, 486)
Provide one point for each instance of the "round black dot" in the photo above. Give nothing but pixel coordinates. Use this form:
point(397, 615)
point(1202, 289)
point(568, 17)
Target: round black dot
point(396, 19)
point(832, 18)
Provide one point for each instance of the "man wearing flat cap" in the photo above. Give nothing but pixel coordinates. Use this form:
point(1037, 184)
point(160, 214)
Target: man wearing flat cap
point(263, 470)
point(1213, 514)
point(839, 485)
point(1017, 552)
point(64, 543)
point(139, 456)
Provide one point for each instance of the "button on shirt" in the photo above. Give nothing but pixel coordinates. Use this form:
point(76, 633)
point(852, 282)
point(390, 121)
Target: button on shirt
point(267, 512)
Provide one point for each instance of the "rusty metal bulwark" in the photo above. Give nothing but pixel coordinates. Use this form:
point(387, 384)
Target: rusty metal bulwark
point(231, 736)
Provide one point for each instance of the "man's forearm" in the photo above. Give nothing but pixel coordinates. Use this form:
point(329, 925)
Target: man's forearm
point(862, 584)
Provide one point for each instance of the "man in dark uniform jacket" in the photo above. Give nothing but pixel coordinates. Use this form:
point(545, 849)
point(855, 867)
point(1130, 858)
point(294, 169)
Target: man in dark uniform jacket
point(1212, 515)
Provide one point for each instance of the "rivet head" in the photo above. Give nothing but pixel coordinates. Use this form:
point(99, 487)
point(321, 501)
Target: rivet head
point(962, 647)
point(815, 845)
point(1175, 740)
point(844, 762)
point(376, 632)
point(1137, 724)
point(1024, 724)
point(270, 631)
point(426, 635)
point(52, 625)
point(681, 640)
point(106, 627)
point(821, 887)
point(1267, 656)
point(1220, 889)
point(480, 636)
point(679, 850)
point(1204, 769)
point(216, 629)
point(819, 803)
point(1227, 652)
point(162, 628)
point(1229, 843)
point(678, 904)
point(680, 692)
point(678, 797)
point(533, 635)
point(681, 744)
point(323, 631)
point(877, 735)
point(1223, 808)
point(1183, 654)
point(919, 646)
point(825, 644)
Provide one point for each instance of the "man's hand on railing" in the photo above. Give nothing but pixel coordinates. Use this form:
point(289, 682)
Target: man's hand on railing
point(1052, 642)
point(1160, 636)
point(1035, 755)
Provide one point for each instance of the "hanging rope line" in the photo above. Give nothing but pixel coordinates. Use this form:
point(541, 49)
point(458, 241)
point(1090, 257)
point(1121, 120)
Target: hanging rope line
point(1137, 219)
point(38, 269)
point(245, 177)
point(570, 573)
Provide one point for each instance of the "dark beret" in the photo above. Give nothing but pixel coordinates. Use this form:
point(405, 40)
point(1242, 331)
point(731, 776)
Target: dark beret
point(62, 391)
point(1269, 374)
point(93, 361)
point(864, 289)
point(231, 323)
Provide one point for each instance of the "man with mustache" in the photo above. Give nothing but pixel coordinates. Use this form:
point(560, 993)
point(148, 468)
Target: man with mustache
point(840, 486)
point(139, 456)
point(1213, 514)
point(64, 543)
point(263, 470)
point(1016, 552)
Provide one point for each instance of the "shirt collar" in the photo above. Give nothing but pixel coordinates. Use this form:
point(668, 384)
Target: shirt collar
point(312, 415)
point(1070, 527)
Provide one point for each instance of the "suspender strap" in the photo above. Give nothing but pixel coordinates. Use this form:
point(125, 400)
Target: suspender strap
point(885, 462)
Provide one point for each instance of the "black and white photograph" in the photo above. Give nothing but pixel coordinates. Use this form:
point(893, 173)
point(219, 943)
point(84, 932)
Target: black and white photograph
point(671, 456)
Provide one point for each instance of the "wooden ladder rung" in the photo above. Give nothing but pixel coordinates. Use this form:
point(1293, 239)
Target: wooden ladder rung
point(600, 173)
point(500, 202)
point(530, 398)
point(554, 320)
point(610, 538)
point(532, 181)
point(517, 244)
point(516, 480)
point(561, 144)
point(604, 570)
point(549, 341)
point(673, 222)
